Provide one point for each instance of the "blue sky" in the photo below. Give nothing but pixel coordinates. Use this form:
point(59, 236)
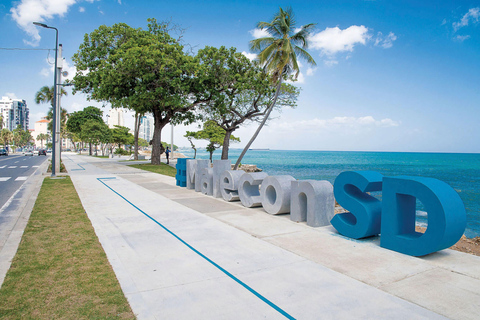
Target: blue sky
point(390, 75)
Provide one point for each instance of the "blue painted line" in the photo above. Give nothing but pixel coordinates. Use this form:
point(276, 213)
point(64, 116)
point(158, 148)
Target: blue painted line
point(243, 284)
point(82, 168)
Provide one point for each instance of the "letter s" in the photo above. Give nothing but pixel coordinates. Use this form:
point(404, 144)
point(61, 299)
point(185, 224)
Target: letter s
point(364, 218)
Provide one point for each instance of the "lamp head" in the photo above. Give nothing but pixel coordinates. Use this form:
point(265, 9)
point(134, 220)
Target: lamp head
point(40, 24)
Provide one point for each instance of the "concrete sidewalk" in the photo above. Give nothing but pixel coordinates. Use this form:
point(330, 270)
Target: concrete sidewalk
point(179, 254)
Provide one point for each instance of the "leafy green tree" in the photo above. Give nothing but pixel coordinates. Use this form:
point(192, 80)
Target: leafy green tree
point(121, 136)
point(78, 118)
point(1, 122)
point(277, 53)
point(241, 92)
point(142, 70)
point(6, 136)
point(190, 136)
point(41, 137)
point(94, 132)
point(214, 134)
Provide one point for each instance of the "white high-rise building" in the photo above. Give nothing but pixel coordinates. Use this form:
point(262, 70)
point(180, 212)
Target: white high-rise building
point(115, 118)
point(14, 112)
point(146, 128)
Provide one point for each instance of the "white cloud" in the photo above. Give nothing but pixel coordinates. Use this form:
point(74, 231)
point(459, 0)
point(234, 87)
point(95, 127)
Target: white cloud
point(28, 11)
point(339, 123)
point(385, 42)
point(119, 1)
point(259, 33)
point(11, 95)
point(250, 56)
point(330, 63)
point(81, 9)
point(311, 71)
point(333, 40)
point(472, 15)
point(461, 38)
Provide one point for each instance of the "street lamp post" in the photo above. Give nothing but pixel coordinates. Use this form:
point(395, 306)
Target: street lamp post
point(55, 116)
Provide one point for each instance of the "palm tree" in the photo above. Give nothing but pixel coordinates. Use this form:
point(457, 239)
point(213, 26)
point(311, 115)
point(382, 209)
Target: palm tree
point(41, 137)
point(45, 95)
point(6, 136)
point(1, 122)
point(278, 56)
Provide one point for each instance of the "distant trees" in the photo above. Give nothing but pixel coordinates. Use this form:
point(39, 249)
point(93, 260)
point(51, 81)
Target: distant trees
point(79, 118)
point(41, 137)
point(6, 136)
point(213, 133)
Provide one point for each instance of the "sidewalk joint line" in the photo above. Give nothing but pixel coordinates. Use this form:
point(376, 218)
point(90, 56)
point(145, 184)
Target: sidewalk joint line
point(258, 295)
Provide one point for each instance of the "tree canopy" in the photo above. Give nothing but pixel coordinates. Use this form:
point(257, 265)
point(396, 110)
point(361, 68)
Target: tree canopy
point(213, 133)
point(143, 70)
point(241, 91)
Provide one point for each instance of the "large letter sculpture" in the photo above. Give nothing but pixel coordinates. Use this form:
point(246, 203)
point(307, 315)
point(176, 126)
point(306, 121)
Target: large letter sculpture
point(275, 193)
point(248, 189)
point(229, 184)
point(191, 173)
point(207, 181)
point(181, 176)
point(364, 217)
point(219, 166)
point(195, 170)
point(312, 201)
point(445, 209)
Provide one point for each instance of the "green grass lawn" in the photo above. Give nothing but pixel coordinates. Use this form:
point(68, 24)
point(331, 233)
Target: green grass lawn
point(162, 168)
point(60, 270)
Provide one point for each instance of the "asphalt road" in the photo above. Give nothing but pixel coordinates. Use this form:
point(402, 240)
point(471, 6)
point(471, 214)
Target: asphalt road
point(14, 171)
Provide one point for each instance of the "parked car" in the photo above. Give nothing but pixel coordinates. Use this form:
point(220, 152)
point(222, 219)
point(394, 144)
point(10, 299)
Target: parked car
point(35, 151)
point(28, 153)
point(49, 151)
point(3, 152)
point(42, 152)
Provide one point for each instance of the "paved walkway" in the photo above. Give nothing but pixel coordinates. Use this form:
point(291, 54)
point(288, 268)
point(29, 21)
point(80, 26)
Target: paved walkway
point(179, 254)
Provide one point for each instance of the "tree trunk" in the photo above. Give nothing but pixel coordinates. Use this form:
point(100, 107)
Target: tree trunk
point(90, 148)
point(159, 123)
point(267, 114)
point(137, 129)
point(226, 144)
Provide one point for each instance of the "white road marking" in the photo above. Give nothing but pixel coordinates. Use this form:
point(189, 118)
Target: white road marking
point(21, 178)
point(2, 167)
point(23, 166)
point(12, 167)
point(4, 178)
point(34, 166)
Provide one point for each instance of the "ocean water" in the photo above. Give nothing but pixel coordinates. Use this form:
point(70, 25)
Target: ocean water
point(460, 171)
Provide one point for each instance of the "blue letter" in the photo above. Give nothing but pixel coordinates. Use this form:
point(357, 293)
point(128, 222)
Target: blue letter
point(446, 215)
point(350, 189)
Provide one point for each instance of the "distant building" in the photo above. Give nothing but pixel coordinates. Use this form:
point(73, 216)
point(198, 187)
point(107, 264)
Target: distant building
point(41, 126)
point(146, 128)
point(14, 112)
point(115, 118)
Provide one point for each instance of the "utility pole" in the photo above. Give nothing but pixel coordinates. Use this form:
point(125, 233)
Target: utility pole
point(57, 141)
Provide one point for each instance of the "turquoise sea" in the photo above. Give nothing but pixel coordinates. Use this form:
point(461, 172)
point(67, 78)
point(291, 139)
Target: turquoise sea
point(460, 171)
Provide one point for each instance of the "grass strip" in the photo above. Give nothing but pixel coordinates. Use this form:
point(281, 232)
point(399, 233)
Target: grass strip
point(60, 270)
point(163, 168)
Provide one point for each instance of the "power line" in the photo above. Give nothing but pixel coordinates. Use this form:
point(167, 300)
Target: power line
point(23, 49)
